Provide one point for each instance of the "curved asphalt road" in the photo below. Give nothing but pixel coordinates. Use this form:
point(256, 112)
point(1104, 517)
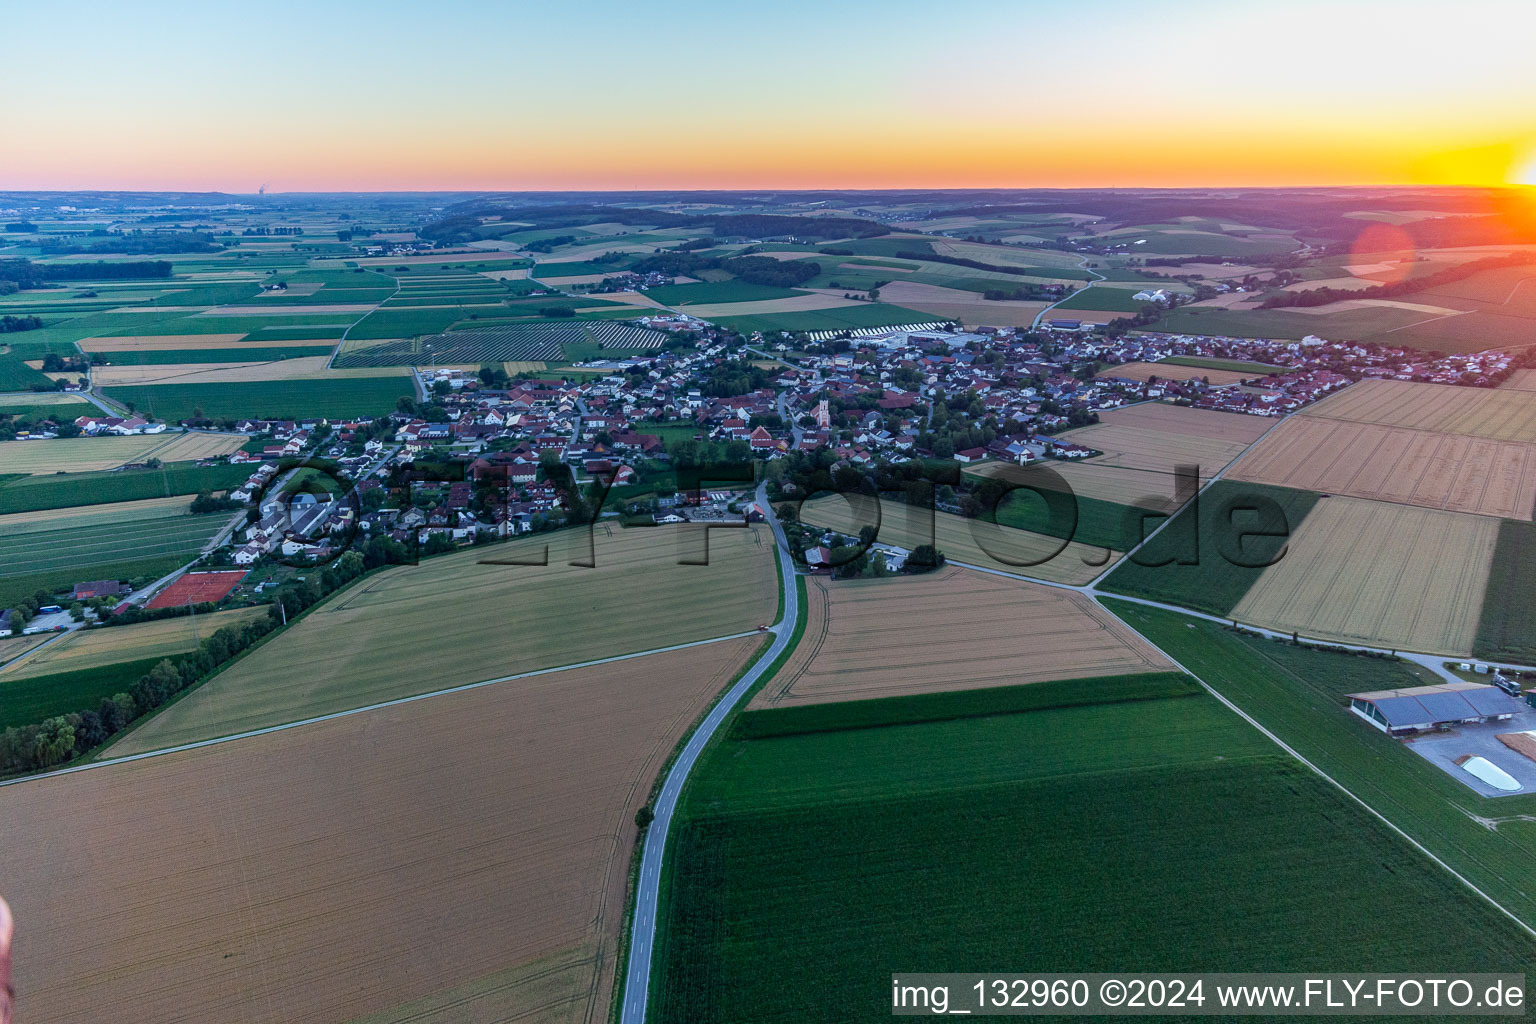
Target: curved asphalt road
point(642, 936)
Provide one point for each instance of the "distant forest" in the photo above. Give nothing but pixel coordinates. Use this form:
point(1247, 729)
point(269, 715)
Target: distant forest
point(467, 224)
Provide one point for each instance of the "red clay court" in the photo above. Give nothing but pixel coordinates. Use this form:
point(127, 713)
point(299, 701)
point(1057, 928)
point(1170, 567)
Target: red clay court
point(197, 587)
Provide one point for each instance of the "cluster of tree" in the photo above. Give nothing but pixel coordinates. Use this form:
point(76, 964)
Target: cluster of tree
point(1407, 286)
point(557, 311)
point(206, 502)
point(1149, 314)
point(11, 425)
point(473, 220)
point(1028, 293)
point(55, 363)
point(139, 243)
point(12, 324)
point(735, 377)
point(26, 274)
point(272, 231)
point(549, 244)
point(973, 264)
point(21, 226)
point(687, 453)
point(762, 270)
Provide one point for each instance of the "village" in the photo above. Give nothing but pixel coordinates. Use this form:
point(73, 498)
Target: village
point(482, 457)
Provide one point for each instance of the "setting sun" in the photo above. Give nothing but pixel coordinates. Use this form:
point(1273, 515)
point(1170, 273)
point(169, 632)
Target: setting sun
point(1525, 171)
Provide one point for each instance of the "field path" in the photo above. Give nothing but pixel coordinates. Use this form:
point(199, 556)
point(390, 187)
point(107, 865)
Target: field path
point(1082, 264)
point(329, 363)
point(637, 974)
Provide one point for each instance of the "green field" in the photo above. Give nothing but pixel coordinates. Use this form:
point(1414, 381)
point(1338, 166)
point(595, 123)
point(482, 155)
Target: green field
point(950, 705)
point(282, 334)
point(66, 490)
point(21, 409)
point(1203, 548)
point(406, 323)
point(1297, 693)
point(240, 353)
point(296, 321)
point(106, 542)
point(722, 291)
point(34, 698)
point(338, 399)
point(15, 374)
point(863, 314)
point(1137, 836)
point(1099, 523)
point(1507, 629)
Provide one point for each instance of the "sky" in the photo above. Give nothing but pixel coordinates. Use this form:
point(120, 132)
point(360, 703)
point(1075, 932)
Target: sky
point(335, 95)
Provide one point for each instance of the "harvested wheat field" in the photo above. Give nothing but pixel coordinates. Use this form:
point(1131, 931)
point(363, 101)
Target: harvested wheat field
point(1154, 450)
point(52, 398)
point(1179, 419)
point(299, 368)
point(1118, 484)
point(953, 630)
point(461, 858)
point(76, 454)
point(1414, 467)
point(998, 547)
point(453, 620)
point(159, 342)
point(194, 445)
point(955, 304)
point(1520, 380)
point(1173, 371)
point(566, 282)
point(88, 647)
point(1387, 575)
point(1502, 414)
point(13, 647)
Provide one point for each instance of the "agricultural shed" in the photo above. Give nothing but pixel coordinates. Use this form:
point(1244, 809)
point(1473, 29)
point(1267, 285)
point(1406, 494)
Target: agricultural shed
point(1419, 708)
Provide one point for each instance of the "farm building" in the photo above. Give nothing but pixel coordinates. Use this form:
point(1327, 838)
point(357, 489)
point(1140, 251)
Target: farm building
point(1420, 708)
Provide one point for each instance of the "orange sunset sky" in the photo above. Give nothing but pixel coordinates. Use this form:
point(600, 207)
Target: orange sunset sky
point(471, 95)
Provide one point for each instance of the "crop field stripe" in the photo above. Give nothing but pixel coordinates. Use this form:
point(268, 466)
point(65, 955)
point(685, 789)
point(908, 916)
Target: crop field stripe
point(1340, 786)
point(40, 551)
point(398, 701)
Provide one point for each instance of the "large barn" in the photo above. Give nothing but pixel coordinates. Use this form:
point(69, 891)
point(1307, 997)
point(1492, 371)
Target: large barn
point(1420, 708)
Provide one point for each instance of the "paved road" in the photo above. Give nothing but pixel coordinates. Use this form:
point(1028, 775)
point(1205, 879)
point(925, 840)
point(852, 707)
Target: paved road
point(1082, 265)
point(642, 937)
point(329, 363)
point(88, 396)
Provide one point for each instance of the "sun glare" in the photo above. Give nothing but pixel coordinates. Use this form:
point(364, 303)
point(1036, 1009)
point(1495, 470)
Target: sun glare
point(1525, 171)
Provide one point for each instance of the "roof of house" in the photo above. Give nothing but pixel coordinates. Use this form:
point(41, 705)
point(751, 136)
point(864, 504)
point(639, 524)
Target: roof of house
point(1447, 702)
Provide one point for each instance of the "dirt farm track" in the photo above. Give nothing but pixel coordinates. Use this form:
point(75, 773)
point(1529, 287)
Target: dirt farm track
point(459, 858)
